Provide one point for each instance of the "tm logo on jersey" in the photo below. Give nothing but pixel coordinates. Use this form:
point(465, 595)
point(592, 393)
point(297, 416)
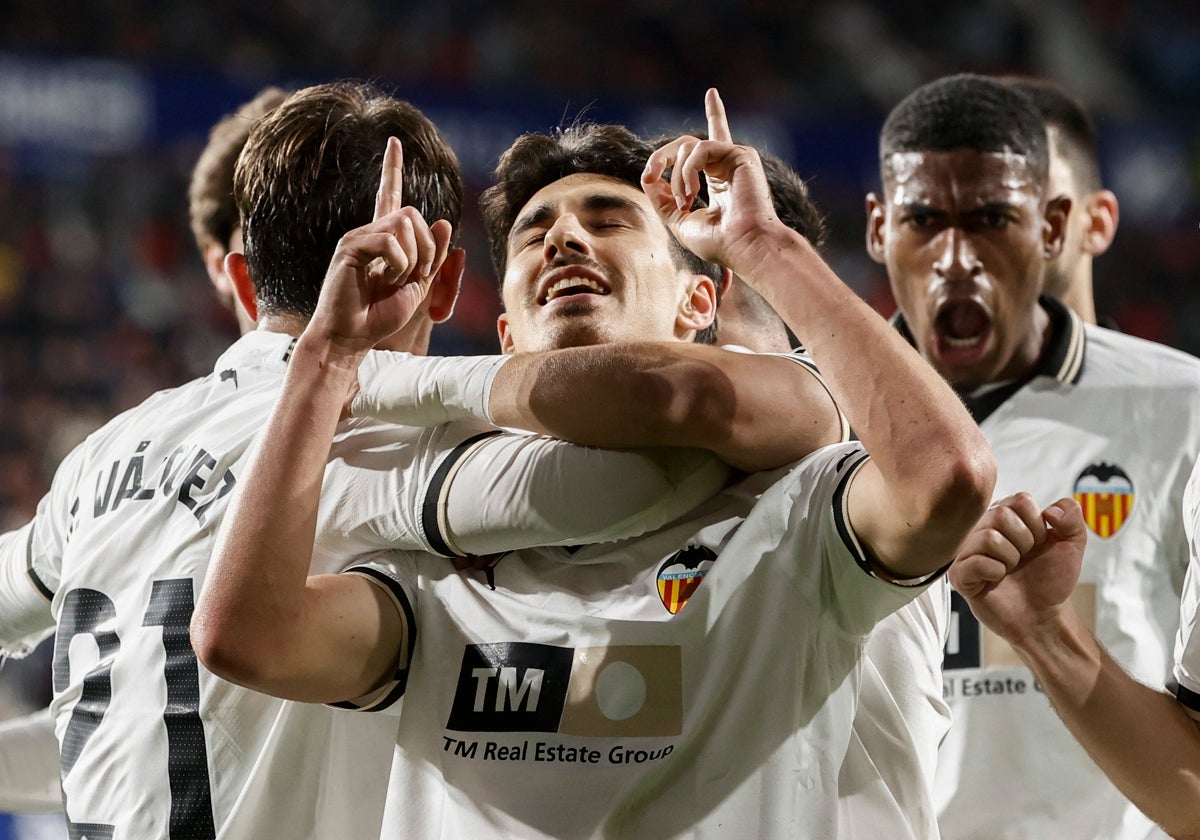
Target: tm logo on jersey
point(1105, 493)
point(681, 574)
point(597, 692)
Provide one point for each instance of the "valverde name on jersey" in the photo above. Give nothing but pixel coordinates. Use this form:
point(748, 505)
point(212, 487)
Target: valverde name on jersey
point(188, 473)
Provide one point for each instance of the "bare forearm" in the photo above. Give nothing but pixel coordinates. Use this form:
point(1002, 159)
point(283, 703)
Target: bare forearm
point(754, 412)
point(930, 455)
point(1142, 739)
point(256, 587)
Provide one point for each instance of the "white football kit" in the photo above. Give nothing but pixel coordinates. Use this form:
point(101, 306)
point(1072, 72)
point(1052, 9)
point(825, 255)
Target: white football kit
point(697, 681)
point(885, 786)
point(1187, 644)
point(152, 744)
point(1113, 421)
point(29, 765)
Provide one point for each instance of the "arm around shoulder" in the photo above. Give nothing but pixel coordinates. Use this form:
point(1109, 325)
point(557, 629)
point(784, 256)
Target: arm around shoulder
point(753, 411)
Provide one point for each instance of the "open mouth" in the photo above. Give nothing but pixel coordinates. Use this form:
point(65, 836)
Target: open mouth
point(962, 326)
point(571, 281)
point(569, 286)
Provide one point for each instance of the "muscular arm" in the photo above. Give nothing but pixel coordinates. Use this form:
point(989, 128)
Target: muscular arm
point(261, 620)
point(1017, 570)
point(753, 412)
point(1143, 739)
point(931, 472)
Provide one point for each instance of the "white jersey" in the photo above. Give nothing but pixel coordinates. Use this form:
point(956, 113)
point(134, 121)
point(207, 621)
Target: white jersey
point(29, 765)
point(886, 785)
point(1187, 644)
point(1113, 421)
point(152, 744)
point(698, 681)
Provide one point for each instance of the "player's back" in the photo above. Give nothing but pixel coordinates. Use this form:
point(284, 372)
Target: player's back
point(152, 744)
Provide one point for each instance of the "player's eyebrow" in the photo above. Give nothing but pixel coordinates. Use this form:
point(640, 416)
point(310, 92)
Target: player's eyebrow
point(918, 207)
point(600, 202)
point(990, 207)
point(535, 217)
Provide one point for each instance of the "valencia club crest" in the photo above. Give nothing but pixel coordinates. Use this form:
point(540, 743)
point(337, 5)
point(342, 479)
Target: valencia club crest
point(1105, 493)
point(679, 576)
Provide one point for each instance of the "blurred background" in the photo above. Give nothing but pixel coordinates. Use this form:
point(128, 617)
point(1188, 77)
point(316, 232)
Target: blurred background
point(105, 105)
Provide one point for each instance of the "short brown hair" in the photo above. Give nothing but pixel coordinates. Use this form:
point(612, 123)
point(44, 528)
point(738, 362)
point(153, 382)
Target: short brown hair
point(211, 208)
point(534, 161)
point(310, 173)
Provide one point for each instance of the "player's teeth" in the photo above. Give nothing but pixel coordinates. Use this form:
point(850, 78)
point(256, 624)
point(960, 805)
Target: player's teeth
point(962, 342)
point(572, 282)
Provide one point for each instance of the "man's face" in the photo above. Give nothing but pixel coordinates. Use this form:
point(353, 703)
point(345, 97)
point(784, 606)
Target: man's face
point(965, 239)
point(589, 262)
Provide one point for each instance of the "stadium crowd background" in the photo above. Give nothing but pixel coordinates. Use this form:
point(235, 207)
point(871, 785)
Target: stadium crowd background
point(105, 106)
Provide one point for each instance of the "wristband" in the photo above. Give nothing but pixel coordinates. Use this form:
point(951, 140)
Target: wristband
point(413, 390)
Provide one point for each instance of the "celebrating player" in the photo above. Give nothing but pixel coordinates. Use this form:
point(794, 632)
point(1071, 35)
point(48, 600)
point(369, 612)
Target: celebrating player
point(729, 639)
point(152, 744)
point(966, 226)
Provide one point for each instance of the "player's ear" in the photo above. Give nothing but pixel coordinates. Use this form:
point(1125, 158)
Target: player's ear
point(243, 286)
point(443, 292)
point(507, 343)
point(213, 254)
point(1103, 213)
point(1054, 229)
point(876, 219)
point(698, 309)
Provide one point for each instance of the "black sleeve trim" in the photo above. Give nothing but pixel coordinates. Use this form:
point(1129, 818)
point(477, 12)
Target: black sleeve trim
point(45, 591)
point(431, 521)
point(1187, 697)
point(840, 518)
point(401, 677)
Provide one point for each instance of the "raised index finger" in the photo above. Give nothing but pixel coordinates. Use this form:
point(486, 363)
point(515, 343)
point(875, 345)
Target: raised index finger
point(390, 197)
point(718, 123)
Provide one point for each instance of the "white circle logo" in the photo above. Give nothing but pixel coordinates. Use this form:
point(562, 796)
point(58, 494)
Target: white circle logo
point(620, 691)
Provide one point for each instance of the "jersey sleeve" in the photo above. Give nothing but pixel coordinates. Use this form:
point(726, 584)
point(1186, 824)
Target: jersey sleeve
point(817, 520)
point(1187, 644)
point(1187, 641)
point(29, 767)
point(25, 617)
point(507, 491)
point(392, 575)
point(31, 564)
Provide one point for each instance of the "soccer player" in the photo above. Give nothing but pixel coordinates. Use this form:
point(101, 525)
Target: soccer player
point(1075, 173)
point(152, 744)
point(29, 761)
point(965, 225)
point(702, 676)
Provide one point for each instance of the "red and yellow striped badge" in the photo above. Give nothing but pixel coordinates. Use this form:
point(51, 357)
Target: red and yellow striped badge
point(681, 574)
point(1105, 492)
